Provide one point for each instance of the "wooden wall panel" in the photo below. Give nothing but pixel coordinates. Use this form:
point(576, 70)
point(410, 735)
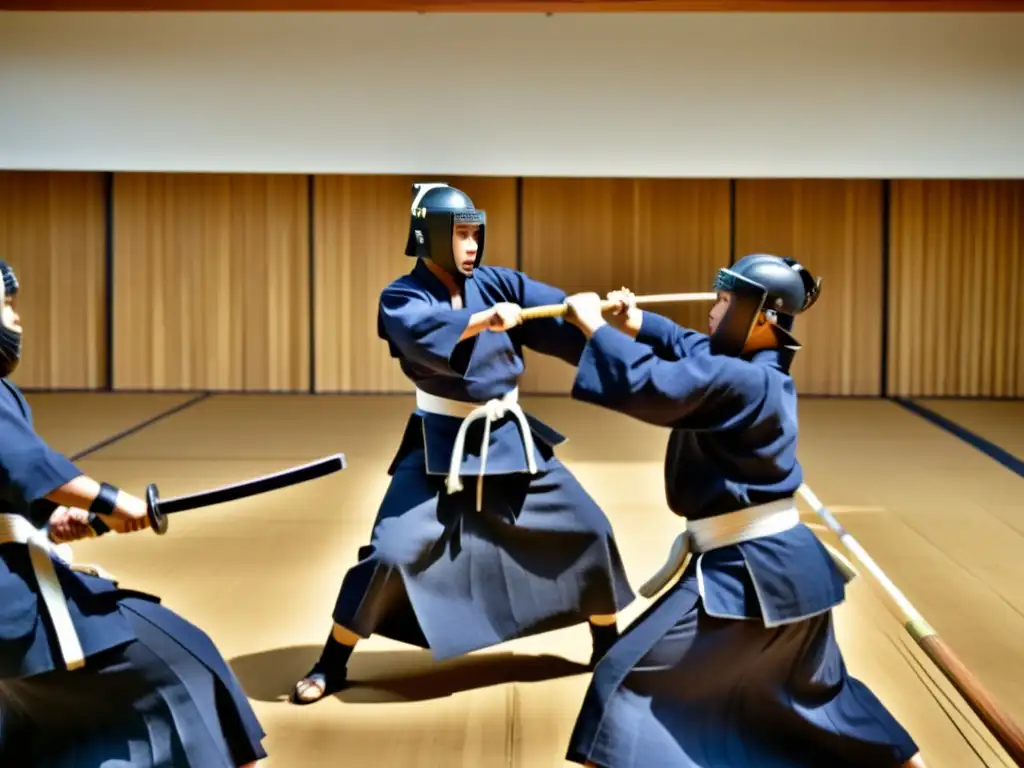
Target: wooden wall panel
point(53, 232)
point(212, 280)
point(211, 288)
point(361, 224)
point(955, 291)
point(834, 228)
point(651, 235)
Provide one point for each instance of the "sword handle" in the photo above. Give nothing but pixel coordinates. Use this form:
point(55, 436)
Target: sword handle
point(548, 310)
point(560, 310)
point(157, 519)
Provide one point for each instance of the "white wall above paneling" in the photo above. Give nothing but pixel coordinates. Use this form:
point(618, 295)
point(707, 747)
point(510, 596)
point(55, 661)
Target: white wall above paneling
point(684, 95)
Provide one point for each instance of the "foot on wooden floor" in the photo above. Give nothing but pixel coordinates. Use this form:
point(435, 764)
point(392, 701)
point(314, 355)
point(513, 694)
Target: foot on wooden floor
point(328, 676)
point(318, 683)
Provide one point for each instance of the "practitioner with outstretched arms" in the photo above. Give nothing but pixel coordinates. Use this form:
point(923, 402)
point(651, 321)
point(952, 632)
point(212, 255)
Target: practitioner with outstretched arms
point(483, 535)
point(736, 664)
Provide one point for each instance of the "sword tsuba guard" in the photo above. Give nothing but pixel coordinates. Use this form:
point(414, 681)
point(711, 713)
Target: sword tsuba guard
point(157, 520)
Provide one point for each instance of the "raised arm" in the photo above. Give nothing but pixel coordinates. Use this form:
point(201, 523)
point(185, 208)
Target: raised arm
point(694, 392)
point(552, 336)
point(668, 339)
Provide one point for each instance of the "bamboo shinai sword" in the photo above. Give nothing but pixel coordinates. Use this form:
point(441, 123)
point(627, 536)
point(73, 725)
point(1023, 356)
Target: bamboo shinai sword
point(984, 704)
point(559, 310)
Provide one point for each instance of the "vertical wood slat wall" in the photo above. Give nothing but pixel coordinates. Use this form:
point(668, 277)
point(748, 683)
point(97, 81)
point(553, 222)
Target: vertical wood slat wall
point(956, 290)
point(270, 282)
point(651, 235)
point(211, 288)
point(835, 229)
point(53, 232)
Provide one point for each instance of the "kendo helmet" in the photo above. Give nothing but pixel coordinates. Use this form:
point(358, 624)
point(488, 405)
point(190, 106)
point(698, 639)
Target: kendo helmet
point(10, 340)
point(780, 287)
point(435, 211)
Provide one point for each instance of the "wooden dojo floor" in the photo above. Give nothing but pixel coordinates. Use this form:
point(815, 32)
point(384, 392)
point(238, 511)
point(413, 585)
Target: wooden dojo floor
point(260, 576)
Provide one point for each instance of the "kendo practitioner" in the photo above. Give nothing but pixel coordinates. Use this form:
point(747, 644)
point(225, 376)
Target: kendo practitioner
point(92, 674)
point(736, 664)
point(454, 565)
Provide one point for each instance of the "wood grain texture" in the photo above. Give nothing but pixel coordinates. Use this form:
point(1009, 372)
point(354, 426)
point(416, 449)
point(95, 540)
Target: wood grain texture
point(212, 280)
point(955, 290)
point(52, 231)
point(211, 288)
point(651, 235)
point(514, 706)
point(361, 224)
point(524, 6)
point(984, 704)
point(834, 228)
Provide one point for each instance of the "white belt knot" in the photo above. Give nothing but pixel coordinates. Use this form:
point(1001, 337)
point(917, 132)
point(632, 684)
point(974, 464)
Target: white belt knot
point(490, 411)
point(495, 409)
point(15, 529)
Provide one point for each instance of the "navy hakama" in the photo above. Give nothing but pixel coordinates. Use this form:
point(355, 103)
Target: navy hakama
point(165, 699)
point(521, 548)
point(737, 663)
point(92, 674)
